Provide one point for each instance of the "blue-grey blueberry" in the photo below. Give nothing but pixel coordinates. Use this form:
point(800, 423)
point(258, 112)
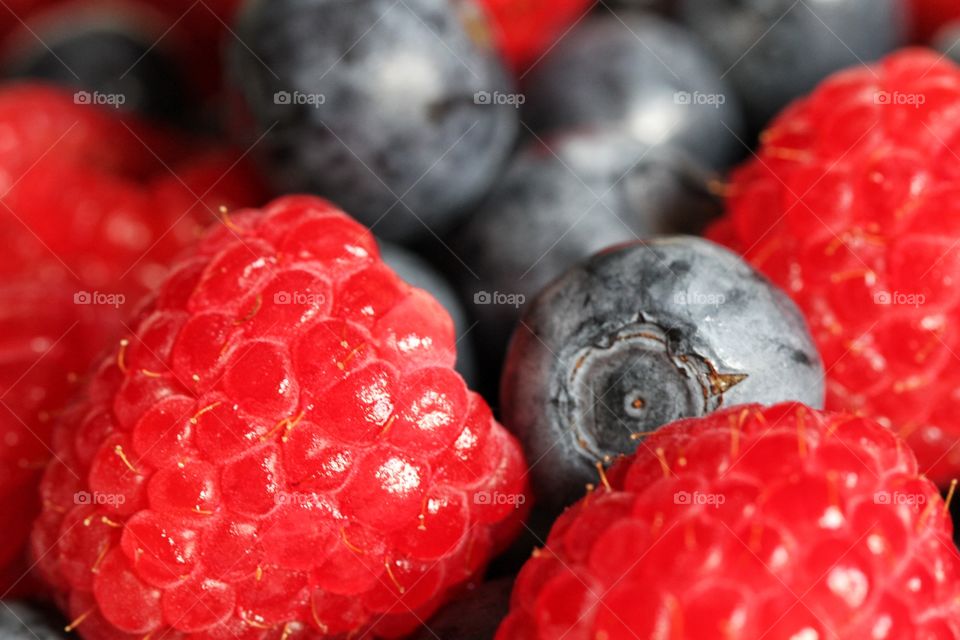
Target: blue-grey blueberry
point(773, 51)
point(641, 335)
point(399, 112)
point(641, 76)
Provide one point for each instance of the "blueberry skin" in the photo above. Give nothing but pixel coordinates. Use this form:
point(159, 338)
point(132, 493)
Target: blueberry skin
point(20, 622)
point(404, 139)
point(641, 76)
point(773, 51)
point(638, 336)
point(103, 53)
point(473, 616)
point(559, 203)
point(418, 272)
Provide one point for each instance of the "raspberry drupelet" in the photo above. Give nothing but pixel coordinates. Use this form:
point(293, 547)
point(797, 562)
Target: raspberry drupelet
point(280, 449)
point(782, 523)
point(852, 207)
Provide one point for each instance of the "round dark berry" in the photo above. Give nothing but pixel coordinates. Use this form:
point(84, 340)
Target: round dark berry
point(773, 51)
point(559, 204)
point(641, 335)
point(475, 615)
point(642, 76)
point(108, 59)
point(418, 272)
point(399, 112)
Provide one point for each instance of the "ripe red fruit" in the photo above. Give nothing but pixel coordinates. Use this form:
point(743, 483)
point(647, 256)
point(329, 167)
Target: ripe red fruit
point(92, 210)
point(852, 207)
point(526, 29)
point(780, 523)
point(282, 439)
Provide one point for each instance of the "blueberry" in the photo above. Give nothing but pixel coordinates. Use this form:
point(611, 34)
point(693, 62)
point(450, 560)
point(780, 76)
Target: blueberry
point(475, 615)
point(419, 273)
point(641, 76)
point(638, 336)
point(400, 112)
point(110, 57)
point(557, 204)
point(20, 622)
point(776, 50)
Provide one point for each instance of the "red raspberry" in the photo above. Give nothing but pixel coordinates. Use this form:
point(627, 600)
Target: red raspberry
point(777, 523)
point(851, 206)
point(88, 215)
point(280, 447)
point(526, 29)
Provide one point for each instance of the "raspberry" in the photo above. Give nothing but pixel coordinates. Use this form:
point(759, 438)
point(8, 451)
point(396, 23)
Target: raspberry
point(89, 220)
point(280, 446)
point(780, 522)
point(525, 30)
point(108, 199)
point(851, 207)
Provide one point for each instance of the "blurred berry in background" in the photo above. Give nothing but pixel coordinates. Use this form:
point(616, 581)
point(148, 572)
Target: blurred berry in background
point(399, 112)
point(640, 77)
point(773, 51)
point(101, 51)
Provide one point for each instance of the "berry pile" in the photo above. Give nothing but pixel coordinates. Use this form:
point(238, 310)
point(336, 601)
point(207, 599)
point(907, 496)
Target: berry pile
point(283, 441)
point(319, 317)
